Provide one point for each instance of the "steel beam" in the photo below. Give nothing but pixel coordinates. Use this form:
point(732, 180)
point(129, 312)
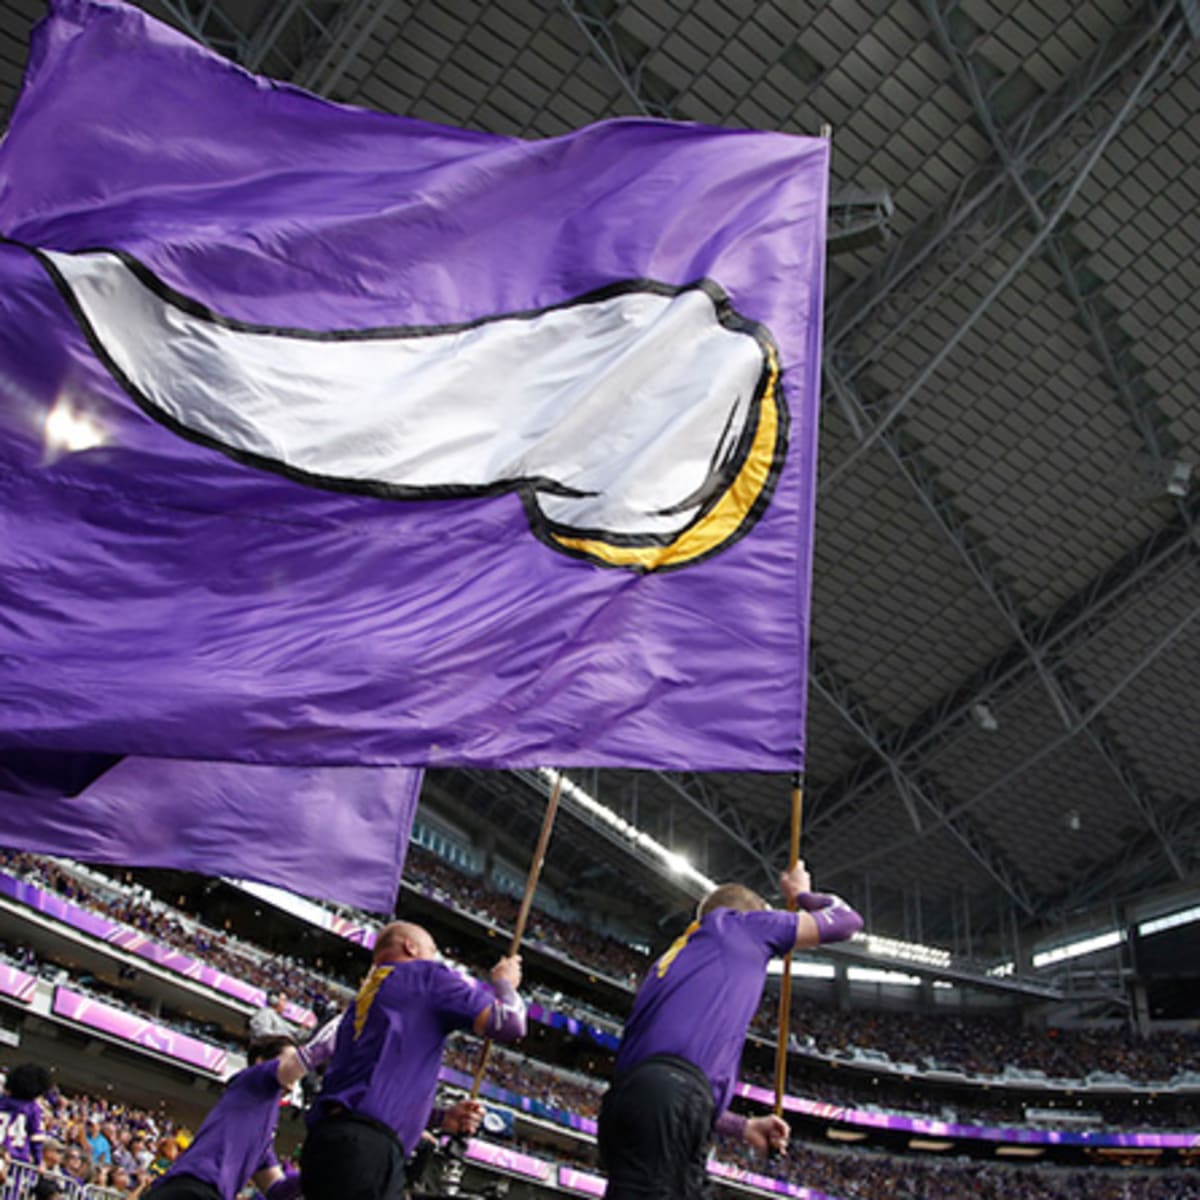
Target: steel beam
point(1081, 723)
point(965, 71)
point(207, 22)
point(1159, 559)
point(312, 43)
point(1135, 867)
point(327, 59)
point(724, 816)
point(855, 216)
point(268, 35)
point(915, 787)
point(1141, 410)
point(626, 65)
point(897, 280)
point(1172, 48)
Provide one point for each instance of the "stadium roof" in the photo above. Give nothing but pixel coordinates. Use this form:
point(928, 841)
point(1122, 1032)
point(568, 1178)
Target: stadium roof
point(1006, 651)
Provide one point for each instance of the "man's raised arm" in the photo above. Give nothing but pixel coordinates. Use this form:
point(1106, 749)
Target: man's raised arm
point(504, 1019)
point(823, 917)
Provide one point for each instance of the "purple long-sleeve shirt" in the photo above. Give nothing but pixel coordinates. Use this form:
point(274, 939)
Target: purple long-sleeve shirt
point(698, 999)
point(236, 1139)
point(390, 1045)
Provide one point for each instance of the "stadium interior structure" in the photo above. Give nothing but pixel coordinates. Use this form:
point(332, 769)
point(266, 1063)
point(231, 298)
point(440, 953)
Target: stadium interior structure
point(1001, 757)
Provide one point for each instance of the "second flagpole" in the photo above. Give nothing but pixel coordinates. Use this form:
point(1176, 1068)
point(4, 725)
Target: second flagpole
point(535, 872)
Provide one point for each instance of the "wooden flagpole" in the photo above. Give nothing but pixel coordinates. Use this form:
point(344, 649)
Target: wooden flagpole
point(785, 987)
point(535, 871)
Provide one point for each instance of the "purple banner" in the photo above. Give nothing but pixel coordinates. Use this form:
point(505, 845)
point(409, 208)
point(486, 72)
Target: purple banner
point(524, 1164)
point(302, 1016)
point(352, 932)
point(752, 1179)
point(574, 1026)
point(140, 1031)
point(510, 1160)
point(991, 1133)
point(446, 448)
point(134, 942)
point(589, 1184)
point(16, 983)
point(581, 1181)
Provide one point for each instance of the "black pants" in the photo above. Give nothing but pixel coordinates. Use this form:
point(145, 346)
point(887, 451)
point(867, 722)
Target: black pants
point(655, 1123)
point(346, 1157)
point(182, 1187)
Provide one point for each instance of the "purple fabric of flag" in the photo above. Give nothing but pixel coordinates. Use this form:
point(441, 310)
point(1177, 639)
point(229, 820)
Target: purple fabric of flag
point(162, 594)
point(340, 833)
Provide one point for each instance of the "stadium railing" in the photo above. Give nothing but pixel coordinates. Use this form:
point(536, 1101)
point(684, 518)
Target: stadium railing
point(20, 1179)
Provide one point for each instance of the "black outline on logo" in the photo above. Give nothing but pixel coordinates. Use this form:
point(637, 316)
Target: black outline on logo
point(543, 528)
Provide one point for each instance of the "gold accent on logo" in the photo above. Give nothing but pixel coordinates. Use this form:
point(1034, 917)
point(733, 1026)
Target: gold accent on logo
point(723, 521)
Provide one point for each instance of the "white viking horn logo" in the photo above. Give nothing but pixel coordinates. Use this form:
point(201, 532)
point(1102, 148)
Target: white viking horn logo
point(642, 425)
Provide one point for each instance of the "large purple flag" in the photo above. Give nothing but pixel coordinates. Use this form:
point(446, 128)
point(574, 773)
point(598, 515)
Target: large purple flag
point(340, 833)
point(334, 437)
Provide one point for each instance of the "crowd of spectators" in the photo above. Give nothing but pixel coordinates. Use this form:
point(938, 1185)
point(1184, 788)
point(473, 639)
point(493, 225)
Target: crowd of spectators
point(133, 905)
point(977, 1044)
point(868, 1175)
point(878, 1093)
point(108, 1144)
point(524, 1076)
point(122, 1148)
point(558, 1088)
point(561, 1089)
point(989, 1045)
point(597, 951)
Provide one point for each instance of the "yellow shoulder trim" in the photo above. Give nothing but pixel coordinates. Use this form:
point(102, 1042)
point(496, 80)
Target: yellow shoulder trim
point(676, 946)
point(366, 996)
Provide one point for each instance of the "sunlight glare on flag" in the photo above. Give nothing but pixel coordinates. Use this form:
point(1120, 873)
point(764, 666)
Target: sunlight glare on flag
point(69, 430)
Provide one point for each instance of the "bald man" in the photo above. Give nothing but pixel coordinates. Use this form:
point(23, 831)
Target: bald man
point(381, 1080)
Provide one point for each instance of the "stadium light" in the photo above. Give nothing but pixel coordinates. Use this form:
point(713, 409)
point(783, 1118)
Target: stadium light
point(676, 862)
point(917, 952)
point(1080, 947)
point(288, 902)
point(671, 859)
point(1183, 916)
point(878, 975)
point(804, 968)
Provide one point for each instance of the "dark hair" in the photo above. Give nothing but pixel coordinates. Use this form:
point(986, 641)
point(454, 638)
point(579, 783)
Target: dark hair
point(260, 1049)
point(28, 1081)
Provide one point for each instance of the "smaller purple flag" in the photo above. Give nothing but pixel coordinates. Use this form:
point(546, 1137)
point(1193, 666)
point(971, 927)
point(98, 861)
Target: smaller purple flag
point(340, 833)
